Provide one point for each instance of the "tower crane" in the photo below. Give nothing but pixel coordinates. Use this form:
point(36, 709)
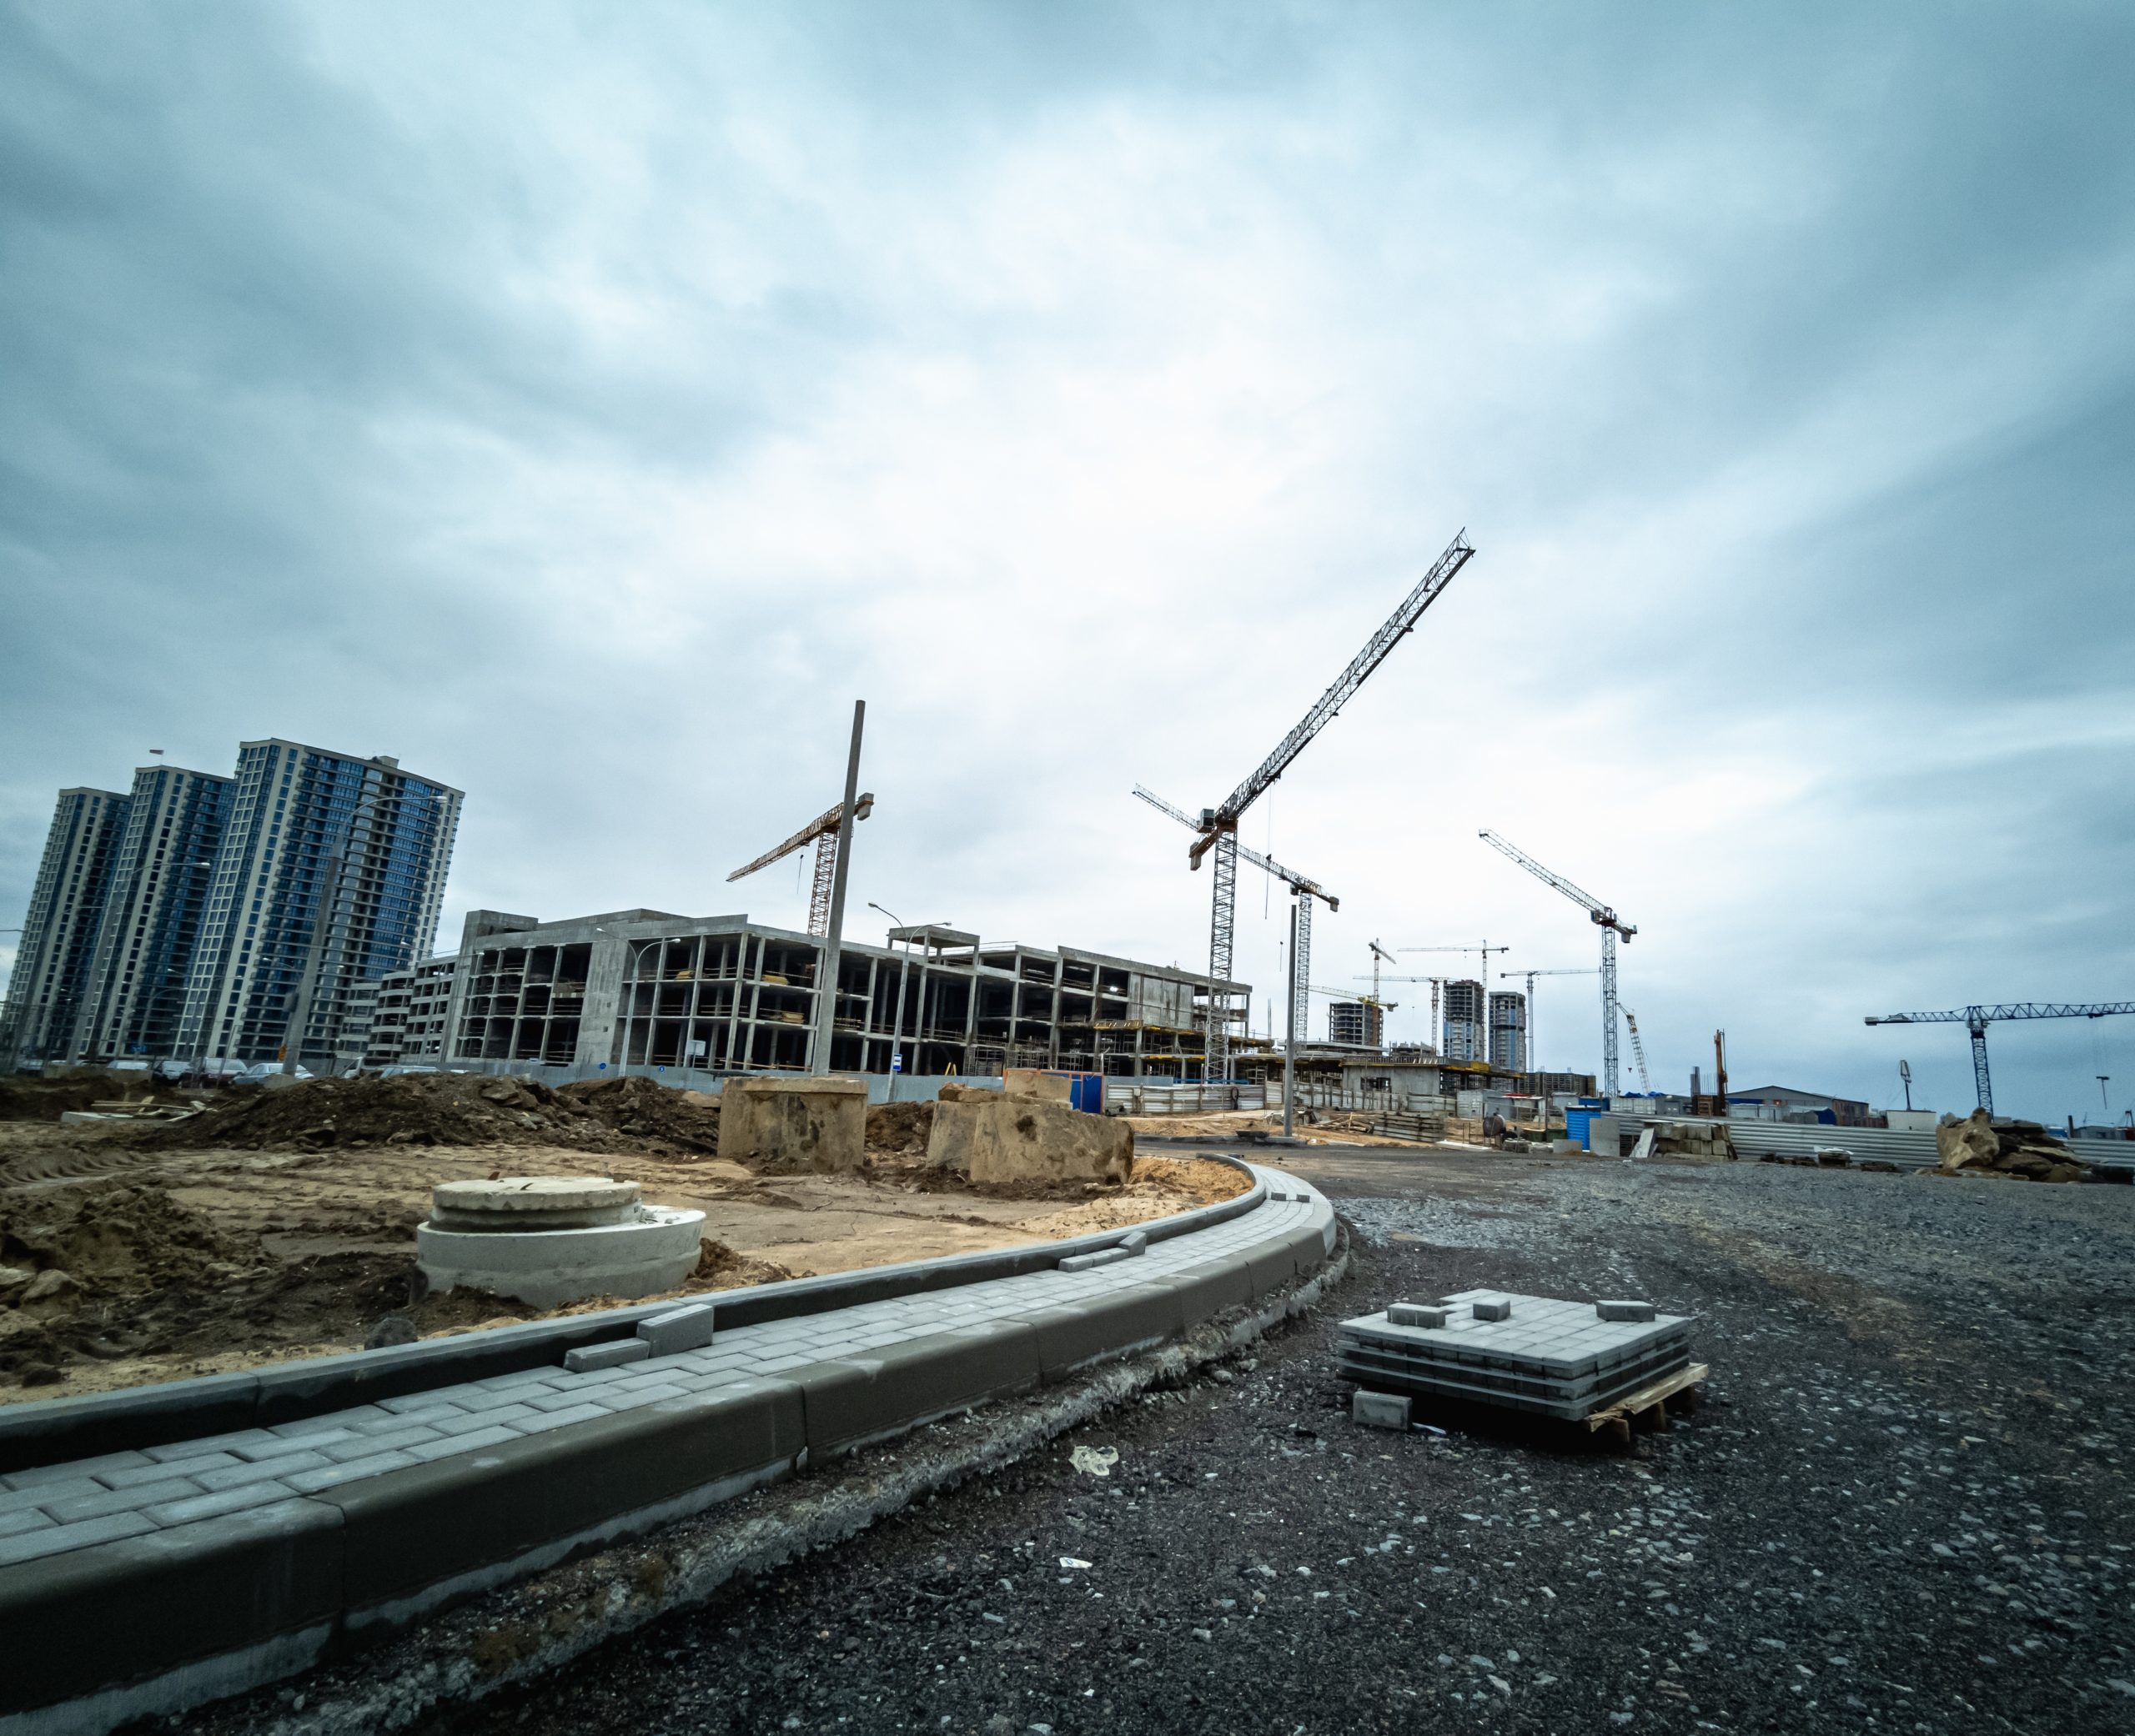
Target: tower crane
point(1303, 889)
point(823, 831)
point(1638, 1049)
point(1218, 825)
point(1533, 1054)
point(1976, 1018)
point(1604, 919)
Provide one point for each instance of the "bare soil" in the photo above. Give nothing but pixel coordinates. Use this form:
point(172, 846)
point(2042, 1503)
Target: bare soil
point(282, 1224)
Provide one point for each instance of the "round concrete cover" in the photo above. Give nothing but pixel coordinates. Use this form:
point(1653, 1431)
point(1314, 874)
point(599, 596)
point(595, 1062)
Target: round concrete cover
point(535, 1196)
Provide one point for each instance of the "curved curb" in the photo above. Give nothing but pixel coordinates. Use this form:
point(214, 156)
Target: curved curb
point(56, 1431)
point(276, 1568)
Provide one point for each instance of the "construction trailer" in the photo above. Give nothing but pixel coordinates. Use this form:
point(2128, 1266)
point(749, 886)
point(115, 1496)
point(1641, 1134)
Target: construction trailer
point(641, 991)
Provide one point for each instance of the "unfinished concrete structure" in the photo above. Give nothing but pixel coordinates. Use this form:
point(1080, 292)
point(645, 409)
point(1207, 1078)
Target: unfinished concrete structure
point(48, 989)
point(1355, 1025)
point(398, 1019)
point(1465, 1036)
point(642, 990)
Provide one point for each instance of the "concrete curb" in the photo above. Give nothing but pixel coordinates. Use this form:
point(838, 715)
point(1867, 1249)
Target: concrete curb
point(58, 1430)
point(518, 1636)
point(207, 1608)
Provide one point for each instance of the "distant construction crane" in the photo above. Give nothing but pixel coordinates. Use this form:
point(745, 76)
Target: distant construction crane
point(1533, 1054)
point(822, 832)
point(1976, 1018)
point(1603, 918)
point(1218, 825)
point(1638, 1051)
point(1303, 889)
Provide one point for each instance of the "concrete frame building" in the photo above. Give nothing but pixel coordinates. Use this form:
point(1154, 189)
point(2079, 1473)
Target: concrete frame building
point(332, 871)
point(398, 1020)
point(1464, 1037)
point(49, 986)
point(1508, 1030)
point(151, 922)
point(641, 989)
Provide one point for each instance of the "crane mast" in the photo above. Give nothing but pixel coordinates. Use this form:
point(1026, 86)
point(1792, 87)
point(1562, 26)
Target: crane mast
point(1977, 1018)
point(1302, 889)
point(1603, 918)
point(1218, 826)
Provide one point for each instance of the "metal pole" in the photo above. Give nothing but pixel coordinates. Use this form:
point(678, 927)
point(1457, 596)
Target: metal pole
point(1290, 1041)
point(826, 976)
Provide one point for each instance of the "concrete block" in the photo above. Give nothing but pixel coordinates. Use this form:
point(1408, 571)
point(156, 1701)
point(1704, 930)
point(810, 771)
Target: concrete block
point(791, 1120)
point(680, 1329)
point(854, 1399)
point(1135, 1242)
point(1380, 1410)
point(114, 1501)
point(1492, 1307)
point(239, 1475)
point(1081, 1332)
point(411, 1529)
point(62, 1432)
point(993, 1138)
point(1088, 1262)
point(136, 1607)
point(1418, 1314)
point(548, 1268)
point(611, 1354)
point(1624, 1310)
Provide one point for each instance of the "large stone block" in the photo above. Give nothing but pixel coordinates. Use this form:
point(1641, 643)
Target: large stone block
point(997, 1138)
point(1034, 1085)
point(794, 1121)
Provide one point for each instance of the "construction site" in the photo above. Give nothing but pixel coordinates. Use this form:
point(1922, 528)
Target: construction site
point(631, 1314)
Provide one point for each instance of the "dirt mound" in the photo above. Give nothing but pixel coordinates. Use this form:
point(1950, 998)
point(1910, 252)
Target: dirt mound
point(638, 1108)
point(33, 1097)
point(452, 1109)
point(900, 1130)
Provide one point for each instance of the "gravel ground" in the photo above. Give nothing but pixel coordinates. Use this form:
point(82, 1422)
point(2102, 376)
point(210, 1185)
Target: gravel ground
point(1902, 1507)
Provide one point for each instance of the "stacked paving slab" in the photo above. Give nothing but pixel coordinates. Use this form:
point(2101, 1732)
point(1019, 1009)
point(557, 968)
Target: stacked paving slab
point(1534, 1353)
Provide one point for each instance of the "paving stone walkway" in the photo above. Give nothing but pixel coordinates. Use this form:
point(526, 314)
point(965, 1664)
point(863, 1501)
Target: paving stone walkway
point(55, 1508)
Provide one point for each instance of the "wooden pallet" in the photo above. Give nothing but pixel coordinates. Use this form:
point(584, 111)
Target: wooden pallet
point(1647, 1409)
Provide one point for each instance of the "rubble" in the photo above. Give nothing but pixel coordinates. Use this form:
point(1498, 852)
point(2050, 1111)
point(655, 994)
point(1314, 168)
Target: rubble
point(1985, 1145)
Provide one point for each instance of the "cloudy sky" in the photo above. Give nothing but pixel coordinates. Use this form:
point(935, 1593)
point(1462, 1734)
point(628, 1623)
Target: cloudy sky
point(586, 405)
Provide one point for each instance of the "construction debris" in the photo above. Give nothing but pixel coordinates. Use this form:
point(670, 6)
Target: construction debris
point(1982, 1144)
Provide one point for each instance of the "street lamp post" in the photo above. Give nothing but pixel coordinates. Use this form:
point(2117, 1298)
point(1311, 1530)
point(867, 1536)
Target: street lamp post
point(904, 971)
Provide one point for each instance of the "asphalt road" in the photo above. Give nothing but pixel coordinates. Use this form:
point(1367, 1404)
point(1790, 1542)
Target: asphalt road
point(1903, 1509)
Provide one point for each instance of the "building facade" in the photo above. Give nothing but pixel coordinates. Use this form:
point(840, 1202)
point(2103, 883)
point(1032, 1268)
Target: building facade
point(1465, 1036)
point(399, 1021)
point(1356, 1024)
point(151, 922)
point(49, 987)
point(1508, 1030)
point(643, 990)
point(332, 871)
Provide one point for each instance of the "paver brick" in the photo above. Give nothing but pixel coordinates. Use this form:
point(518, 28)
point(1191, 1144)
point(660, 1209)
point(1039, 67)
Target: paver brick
point(462, 1443)
point(282, 1445)
point(561, 1419)
point(310, 1482)
point(80, 1467)
point(57, 1539)
point(679, 1329)
point(59, 1488)
point(222, 1501)
point(23, 1518)
point(113, 1501)
point(128, 1477)
point(281, 1466)
point(357, 1447)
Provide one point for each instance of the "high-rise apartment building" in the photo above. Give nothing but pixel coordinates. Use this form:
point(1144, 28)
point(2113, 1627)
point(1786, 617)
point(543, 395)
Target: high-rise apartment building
point(1356, 1024)
point(1464, 1028)
point(332, 870)
point(151, 924)
point(59, 932)
point(1508, 1030)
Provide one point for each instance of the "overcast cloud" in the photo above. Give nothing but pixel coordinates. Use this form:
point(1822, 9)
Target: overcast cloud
point(587, 403)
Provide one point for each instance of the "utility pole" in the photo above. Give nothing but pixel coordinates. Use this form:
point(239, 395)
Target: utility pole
point(819, 1062)
point(1290, 1041)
